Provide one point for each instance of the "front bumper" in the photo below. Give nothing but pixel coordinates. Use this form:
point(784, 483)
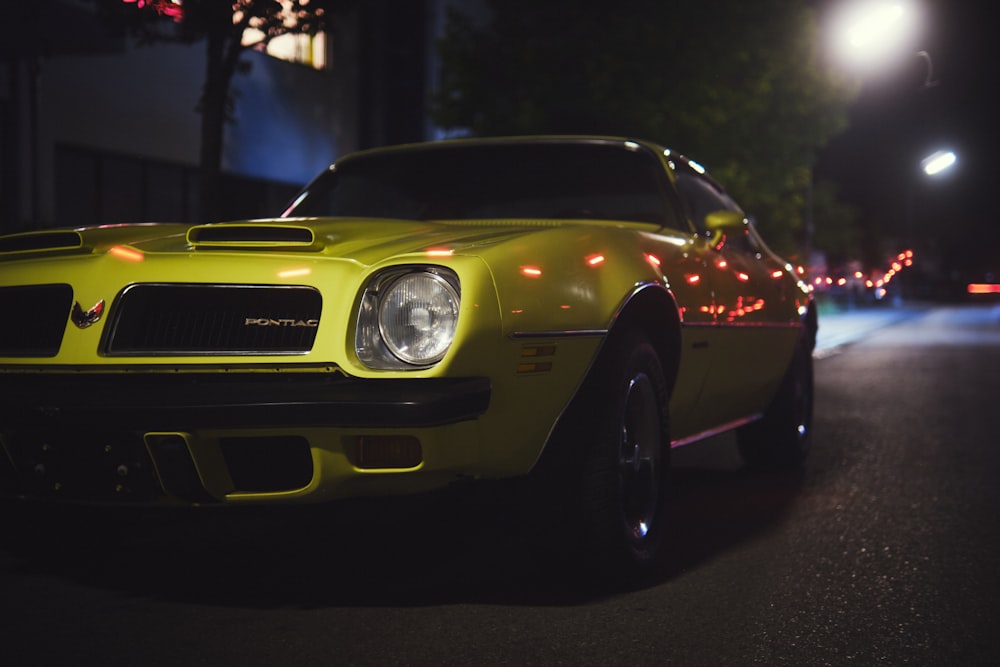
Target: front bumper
point(197, 437)
point(164, 401)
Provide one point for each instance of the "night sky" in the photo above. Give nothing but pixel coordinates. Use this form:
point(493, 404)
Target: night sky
point(896, 121)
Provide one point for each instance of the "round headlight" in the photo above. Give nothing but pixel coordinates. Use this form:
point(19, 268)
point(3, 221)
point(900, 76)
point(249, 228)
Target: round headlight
point(417, 315)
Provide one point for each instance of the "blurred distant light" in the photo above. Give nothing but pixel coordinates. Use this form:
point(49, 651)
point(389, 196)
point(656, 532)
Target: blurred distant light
point(938, 162)
point(983, 288)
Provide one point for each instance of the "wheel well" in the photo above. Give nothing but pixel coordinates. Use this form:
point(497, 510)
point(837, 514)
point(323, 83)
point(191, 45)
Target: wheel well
point(654, 312)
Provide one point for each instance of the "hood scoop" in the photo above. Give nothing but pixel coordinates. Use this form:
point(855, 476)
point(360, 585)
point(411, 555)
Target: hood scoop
point(47, 241)
point(256, 236)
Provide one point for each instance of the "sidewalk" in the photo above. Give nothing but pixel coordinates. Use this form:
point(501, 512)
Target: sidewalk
point(842, 327)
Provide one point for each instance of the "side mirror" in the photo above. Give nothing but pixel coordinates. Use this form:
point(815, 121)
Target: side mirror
point(721, 223)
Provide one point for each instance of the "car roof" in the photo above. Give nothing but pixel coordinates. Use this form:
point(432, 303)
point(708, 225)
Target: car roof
point(501, 140)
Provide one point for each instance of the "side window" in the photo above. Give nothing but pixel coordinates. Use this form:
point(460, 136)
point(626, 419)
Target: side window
point(701, 197)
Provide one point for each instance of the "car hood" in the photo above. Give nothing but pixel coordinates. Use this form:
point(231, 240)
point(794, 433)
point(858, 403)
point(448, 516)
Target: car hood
point(363, 240)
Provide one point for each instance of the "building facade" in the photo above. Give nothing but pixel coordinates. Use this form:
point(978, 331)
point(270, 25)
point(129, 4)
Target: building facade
point(97, 129)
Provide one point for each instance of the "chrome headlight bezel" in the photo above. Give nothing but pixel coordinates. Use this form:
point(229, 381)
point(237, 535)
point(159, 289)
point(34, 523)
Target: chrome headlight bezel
point(384, 324)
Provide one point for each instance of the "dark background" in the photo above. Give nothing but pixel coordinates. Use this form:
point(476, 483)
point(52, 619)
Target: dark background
point(896, 121)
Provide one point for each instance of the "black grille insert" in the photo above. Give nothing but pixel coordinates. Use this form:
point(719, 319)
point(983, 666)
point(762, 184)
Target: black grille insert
point(198, 319)
point(40, 313)
point(268, 464)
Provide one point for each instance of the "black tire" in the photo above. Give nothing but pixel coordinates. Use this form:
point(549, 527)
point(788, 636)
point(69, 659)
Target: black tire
point(603, 485)
point(781, 437)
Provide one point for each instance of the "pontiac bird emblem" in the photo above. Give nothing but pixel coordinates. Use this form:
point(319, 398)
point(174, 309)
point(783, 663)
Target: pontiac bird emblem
point(84, 318)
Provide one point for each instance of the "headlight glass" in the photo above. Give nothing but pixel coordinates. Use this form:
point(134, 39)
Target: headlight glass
point(417, 316)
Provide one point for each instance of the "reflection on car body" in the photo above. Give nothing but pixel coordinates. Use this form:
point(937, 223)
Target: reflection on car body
point(557, 309)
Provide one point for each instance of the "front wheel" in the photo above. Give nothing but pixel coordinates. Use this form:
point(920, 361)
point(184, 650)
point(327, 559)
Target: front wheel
point(605, 479)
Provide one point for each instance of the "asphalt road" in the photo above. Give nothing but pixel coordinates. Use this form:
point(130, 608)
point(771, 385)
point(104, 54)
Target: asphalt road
point(883, 550)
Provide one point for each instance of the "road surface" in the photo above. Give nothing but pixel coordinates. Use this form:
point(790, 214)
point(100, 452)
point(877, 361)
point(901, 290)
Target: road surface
point(883, 550)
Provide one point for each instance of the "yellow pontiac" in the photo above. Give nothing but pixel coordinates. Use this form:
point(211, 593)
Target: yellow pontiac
point(556, 310)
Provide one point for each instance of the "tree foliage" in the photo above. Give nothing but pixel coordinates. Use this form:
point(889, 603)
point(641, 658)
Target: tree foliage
point(737, 85)
point(224, 25)
point(837, 232)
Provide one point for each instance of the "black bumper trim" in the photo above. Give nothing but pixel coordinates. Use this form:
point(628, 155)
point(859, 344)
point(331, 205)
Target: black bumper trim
point(214, 400)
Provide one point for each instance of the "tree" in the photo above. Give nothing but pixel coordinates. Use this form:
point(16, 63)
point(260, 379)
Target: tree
point(228, 27)
point(738, 85)
point(837, 232)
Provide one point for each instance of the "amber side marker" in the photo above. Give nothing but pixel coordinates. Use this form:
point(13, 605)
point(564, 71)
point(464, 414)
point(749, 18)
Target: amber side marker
point(533, 352)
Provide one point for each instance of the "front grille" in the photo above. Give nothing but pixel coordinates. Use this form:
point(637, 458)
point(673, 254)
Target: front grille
point(36, 319)
point(198, 319)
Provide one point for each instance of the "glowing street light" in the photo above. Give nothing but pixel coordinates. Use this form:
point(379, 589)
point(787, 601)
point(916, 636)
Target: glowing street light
point(937, 162)
point(871, 28)
point(869, 35)
point(933, 165)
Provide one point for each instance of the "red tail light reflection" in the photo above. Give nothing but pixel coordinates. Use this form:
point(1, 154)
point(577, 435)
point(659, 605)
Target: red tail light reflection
point(531, 271)
point(125, 253)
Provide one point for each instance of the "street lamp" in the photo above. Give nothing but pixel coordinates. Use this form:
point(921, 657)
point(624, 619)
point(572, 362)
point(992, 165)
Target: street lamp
point(871, 35)
point(933, 166)
point(870, 32)
point(938, 162)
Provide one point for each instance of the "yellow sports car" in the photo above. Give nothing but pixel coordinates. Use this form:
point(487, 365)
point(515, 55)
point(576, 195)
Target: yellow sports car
point(562, 310)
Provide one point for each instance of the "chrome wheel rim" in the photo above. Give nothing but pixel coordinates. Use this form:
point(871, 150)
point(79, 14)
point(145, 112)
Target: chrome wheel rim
point(640, 458)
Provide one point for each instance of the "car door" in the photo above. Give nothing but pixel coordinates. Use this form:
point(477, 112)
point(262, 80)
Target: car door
point(747, 346)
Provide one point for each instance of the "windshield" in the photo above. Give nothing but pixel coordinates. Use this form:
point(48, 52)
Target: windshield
point(533, 180)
